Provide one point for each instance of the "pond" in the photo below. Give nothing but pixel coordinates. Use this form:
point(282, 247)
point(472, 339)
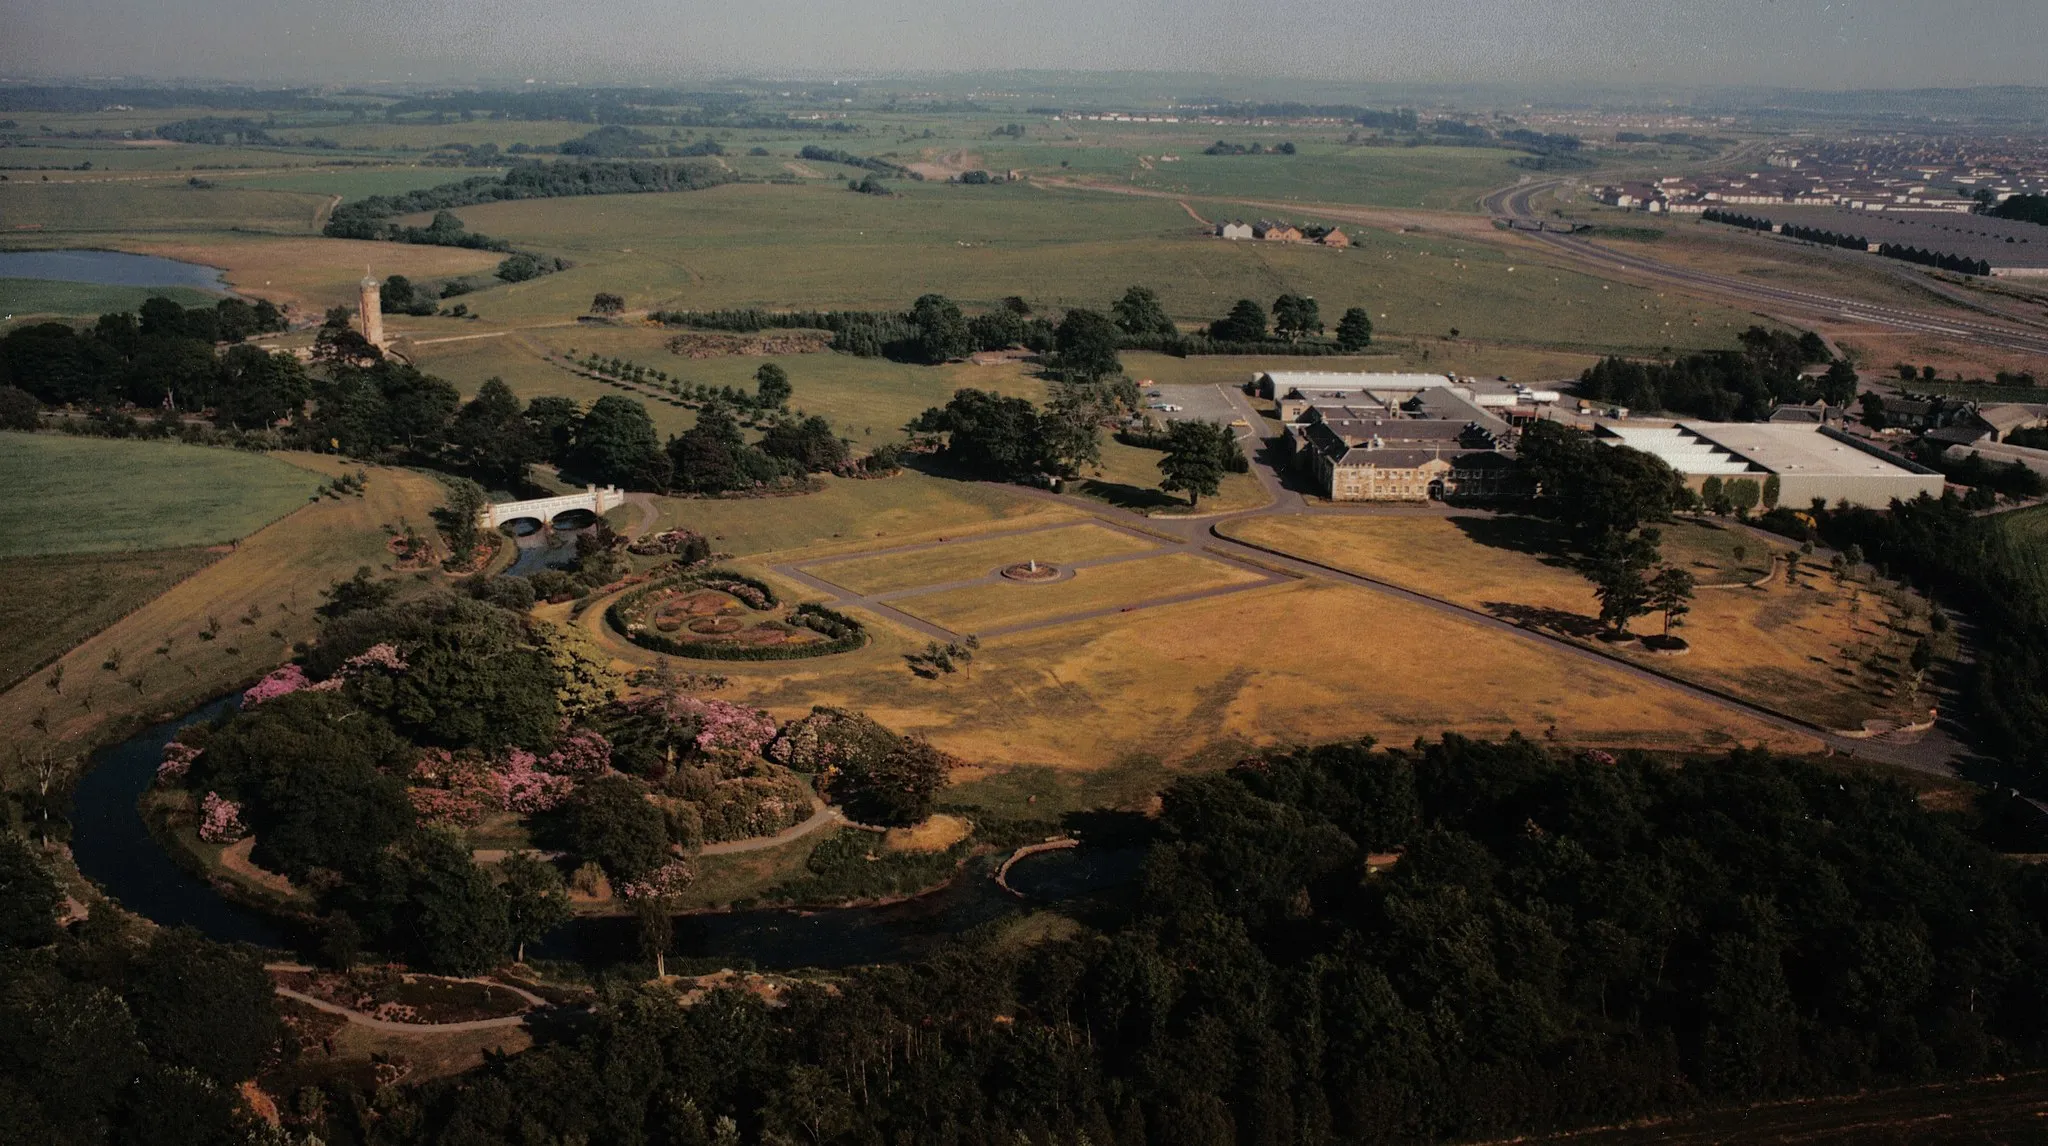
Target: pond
point(109, 268)
point(113, 847)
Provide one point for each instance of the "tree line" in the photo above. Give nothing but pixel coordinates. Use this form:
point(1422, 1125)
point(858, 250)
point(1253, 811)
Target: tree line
point(2025, 208)
point(165, 356)
point(1766, 369)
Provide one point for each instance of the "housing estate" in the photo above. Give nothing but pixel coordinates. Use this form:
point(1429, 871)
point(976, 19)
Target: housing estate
point(1810, 461)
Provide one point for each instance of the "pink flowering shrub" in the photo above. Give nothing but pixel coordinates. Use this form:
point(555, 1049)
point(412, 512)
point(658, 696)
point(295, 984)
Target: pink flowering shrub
point(523, 787)
point(282, 682)
point(723, 726)
point(667, 880)
point(177, 762)
point(584, 752)
point(380, 656)
point(451, 789)
point(220, 821)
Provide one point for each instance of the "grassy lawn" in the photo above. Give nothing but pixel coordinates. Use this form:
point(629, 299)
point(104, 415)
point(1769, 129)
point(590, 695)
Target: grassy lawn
point(961, 560)
point(980, 607)
point(156, 206)
point(846, 512)
point(1128, 478)
point(52, 603)
point(262, 597)
point(1825, 652)
point(26, 300)
point(96, 495)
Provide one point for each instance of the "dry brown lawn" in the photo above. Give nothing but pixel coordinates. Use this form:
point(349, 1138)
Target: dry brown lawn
point(936, 834)
point(959, 561)
point(979, 608)
point(1822, 651)
point(314, 273)
point(1296, 663)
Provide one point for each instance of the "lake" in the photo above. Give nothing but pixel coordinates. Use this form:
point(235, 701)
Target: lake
point(109, 268)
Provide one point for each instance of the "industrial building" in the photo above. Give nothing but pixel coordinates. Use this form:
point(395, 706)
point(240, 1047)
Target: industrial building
point(1809, 461)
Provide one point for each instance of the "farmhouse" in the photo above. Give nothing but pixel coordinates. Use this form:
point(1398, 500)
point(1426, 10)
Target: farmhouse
point(1335, 238)
point(1809, 461)
point(1276, 232)
point(1375, 454)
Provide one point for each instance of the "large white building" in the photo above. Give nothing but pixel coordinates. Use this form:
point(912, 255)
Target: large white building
point(1809, 461)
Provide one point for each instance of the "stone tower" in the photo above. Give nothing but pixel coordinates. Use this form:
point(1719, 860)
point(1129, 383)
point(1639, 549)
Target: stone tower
point(370, 308)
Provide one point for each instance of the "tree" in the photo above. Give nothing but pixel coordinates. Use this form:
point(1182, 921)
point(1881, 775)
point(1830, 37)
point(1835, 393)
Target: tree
point(1772, 488)
point(553, 420)
point(1140, 313)
point(1070, 429)
point(257, 388)
point(810, 444)
point(536, 901)
point(474, 678)
point(356, 594)
point(1087, 344)
point(999, 329)
point(1198, 454)
point(457, 517)
point(616, 445)
point(456, 919)
point(1296, 315)
point(18, 409)
point(1743, 495)
point(772, 388)
point(28, 896)
point(656, 930)
point(1246, 322)
point(1838, 385)
point(1671, 594)
point(494, 434)
point(606, 303)
point(941, 331)
point(1624, 594)
point(611, 823)
point(987, 433)
point(203, 1005)
point(1354, 330)
point(895, 790)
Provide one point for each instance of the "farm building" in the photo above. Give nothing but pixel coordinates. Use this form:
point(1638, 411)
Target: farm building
point(1234, 229)
point(1274, 232)
point(1335, 238)
point(1809, 461)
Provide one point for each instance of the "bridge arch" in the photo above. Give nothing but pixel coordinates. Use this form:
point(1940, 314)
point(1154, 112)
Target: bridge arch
point(593, 498)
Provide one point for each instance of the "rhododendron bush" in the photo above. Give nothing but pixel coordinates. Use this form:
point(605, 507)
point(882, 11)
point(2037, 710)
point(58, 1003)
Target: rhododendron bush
point(453, 788)
point(670, 879)
point(177, 762)
point(524, 787)
point(220, 821)
point(283, 681)
point(584, 752)
point(721, 726)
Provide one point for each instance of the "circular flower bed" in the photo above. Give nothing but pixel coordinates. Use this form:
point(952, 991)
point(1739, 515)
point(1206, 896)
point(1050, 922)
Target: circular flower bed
point(705, 615)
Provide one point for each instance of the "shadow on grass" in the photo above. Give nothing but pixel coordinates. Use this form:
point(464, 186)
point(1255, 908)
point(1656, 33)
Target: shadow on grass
point(1544, 540)
point(1130, 497)
point(1540, 617)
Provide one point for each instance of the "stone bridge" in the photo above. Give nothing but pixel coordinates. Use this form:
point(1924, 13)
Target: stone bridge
point(592, 498)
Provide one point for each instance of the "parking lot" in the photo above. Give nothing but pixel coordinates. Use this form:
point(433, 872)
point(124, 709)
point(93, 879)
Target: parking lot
point(1204, 402)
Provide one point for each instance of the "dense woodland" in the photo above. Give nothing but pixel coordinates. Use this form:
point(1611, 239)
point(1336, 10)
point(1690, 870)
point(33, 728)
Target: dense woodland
point(1460, 939)
point(1725, 385)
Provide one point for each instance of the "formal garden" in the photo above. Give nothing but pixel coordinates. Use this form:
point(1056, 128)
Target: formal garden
point(716, 614)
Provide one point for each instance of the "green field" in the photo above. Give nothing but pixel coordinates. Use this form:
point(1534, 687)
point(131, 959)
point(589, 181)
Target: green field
point(817, 246)
point(167, 207)
point(92, 495)
point(53, 602)
point(21, 299)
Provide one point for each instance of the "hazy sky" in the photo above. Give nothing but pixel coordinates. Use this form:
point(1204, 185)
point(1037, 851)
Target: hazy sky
point(1788, 43)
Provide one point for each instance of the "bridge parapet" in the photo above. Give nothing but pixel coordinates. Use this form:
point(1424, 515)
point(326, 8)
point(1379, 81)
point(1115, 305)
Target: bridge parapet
point(593, 498)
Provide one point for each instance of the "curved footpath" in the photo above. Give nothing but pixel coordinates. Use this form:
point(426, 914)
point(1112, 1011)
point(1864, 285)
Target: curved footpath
point(535, 1002)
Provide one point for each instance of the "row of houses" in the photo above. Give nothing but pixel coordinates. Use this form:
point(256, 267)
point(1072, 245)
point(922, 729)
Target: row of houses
point(1279, 232)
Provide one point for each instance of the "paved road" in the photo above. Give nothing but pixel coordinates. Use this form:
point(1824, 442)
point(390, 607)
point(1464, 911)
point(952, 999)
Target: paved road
point(822, 814)
point(1514, 203)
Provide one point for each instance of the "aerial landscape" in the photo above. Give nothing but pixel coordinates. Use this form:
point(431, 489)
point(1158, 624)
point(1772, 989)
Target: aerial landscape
point(924, 574)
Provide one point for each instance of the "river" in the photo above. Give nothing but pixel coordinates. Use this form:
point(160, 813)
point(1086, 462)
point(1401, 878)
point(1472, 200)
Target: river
point(110, 268)
point(113, 847)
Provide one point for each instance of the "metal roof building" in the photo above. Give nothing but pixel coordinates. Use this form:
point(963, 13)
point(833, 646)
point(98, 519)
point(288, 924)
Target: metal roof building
point(1809, 461)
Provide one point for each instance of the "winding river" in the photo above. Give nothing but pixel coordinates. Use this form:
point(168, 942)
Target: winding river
point(113, 847)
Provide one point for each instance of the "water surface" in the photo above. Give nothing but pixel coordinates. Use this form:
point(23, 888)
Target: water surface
point(109, 268)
